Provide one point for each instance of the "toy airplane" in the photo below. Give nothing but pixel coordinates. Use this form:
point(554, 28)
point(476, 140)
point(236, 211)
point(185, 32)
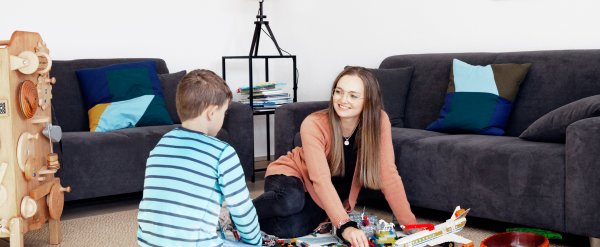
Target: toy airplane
point(442, 233)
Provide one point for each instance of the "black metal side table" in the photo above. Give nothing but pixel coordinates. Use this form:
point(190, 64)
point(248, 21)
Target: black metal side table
point(266, 112)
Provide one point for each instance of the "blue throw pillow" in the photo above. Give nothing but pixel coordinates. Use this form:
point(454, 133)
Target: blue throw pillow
point(479, 99)
point(123, 96)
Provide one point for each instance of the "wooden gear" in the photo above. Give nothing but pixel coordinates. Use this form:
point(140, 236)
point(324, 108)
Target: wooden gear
point(30, 194)
point(28, 98)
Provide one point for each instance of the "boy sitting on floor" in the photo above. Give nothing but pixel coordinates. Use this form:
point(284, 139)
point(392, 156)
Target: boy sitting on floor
point(190, 172)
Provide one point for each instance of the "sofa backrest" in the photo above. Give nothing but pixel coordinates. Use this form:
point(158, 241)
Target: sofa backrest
point(555, 78)
point(67, 101)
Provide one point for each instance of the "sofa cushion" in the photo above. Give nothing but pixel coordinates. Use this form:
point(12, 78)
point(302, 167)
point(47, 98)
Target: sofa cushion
point(552, 127)
point(148, 136)
point(123, 96)
point(518, 181)
point(98, 164)
point(479, 99)
point(169, 84)
point(394, 85)
point(401, 136)
point(404, 135)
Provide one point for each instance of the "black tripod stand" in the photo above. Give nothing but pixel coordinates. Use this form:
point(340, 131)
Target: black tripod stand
point(258, 28)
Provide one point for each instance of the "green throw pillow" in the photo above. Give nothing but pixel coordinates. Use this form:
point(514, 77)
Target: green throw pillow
point(123, 96)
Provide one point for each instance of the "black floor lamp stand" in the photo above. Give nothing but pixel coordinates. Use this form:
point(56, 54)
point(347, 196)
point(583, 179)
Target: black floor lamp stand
point(256, 38)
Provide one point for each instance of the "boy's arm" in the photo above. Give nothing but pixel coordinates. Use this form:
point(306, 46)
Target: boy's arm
point(233, 185)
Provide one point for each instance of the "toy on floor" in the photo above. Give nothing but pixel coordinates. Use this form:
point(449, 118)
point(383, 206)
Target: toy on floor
point(273, 241)
point(379, 232)
point(442, 233)
point(545, 233)
point(385, 234)
point(30, 194)
point(521, 239)
point(366, 222)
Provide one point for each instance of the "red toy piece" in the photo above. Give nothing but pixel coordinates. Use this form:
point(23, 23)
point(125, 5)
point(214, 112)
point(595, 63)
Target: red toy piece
point(365, 220)
point(371, 244)
point(427, 226)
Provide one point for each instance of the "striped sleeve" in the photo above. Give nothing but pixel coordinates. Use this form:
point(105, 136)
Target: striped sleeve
point(233, 185)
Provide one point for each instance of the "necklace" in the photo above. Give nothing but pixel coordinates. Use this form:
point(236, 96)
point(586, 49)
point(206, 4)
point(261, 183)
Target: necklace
point(346, 139)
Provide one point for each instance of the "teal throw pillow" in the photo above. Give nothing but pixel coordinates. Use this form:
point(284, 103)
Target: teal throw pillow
point(479, 99)
point(123, 96)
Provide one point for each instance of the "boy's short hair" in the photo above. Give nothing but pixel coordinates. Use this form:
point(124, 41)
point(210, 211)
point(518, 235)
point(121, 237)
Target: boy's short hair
point(199, 89)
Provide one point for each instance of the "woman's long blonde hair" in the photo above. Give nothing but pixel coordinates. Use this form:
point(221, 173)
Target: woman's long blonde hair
point(368, 128)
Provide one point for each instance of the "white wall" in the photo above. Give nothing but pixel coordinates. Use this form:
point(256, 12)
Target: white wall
point(325, 34)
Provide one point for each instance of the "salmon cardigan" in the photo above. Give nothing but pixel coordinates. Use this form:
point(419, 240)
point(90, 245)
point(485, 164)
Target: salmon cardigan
point(309, 164)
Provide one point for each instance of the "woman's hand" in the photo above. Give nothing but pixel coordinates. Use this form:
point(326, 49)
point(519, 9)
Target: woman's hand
point(356, 237)
point(347, 206)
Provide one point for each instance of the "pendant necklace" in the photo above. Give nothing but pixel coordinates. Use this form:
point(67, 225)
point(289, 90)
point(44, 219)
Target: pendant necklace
point(346, 142)
point(346, 139)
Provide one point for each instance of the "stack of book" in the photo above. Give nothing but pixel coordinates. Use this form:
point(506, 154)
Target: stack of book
point(265, 96)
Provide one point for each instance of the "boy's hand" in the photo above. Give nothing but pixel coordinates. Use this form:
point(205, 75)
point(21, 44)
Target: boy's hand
point(356, 237)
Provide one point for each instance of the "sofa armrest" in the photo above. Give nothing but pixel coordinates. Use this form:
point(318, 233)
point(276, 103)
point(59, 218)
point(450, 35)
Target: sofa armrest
point(239, 125)
point(582, 180)
point(288, 119)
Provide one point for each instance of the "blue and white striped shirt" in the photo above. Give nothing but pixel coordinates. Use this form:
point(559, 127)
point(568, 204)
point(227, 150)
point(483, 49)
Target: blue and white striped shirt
point(188, 174)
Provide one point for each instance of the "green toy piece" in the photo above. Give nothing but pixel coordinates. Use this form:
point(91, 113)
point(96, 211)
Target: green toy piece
point(545, 233)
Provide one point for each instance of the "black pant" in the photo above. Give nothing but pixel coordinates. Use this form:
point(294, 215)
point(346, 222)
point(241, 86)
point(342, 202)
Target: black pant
point(285, 210)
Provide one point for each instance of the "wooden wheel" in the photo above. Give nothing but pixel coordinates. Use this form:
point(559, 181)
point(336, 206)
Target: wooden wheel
point(56, 200)
point(28, 98)
point(27, 62)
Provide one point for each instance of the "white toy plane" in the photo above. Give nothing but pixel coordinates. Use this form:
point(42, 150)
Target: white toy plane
point(440, 234)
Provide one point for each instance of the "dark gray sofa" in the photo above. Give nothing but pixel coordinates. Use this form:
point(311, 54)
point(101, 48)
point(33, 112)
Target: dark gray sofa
point(112, 163)
point(553, 186)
